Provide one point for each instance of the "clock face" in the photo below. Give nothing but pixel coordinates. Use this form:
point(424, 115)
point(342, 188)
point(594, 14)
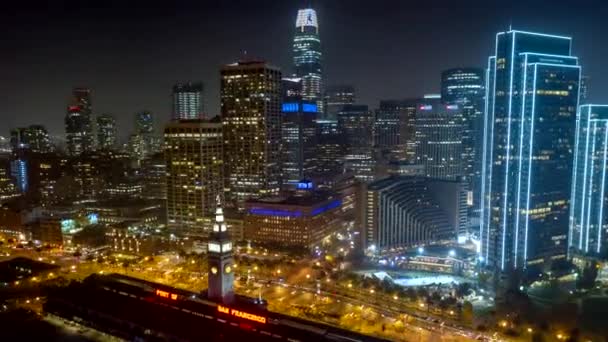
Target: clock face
point(227, 269)
point(214, 270)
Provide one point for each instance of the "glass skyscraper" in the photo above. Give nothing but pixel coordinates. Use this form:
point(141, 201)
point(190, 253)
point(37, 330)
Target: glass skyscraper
point(79, 124)
point(187, 101)
point(532, 94)
point(298, 133)
point(464, 87)
point(587, 216)
point(251, 116)
point(106, 132)
point(307, 56)
point(438, 138)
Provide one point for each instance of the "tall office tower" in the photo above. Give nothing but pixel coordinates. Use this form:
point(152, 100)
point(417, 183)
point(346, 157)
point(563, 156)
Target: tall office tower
point(298, 133)
point(356, 122)
point(144, 126)
point(79, 124)
point(307, 56)
point(532, 94)
point(330, 149)
point(193, 155)
point(154, 176)
point(220, 260)
point(407, 211)
point(187, 101)
point(587, 217)
point(251, 115)
point(106, 132)
point(33, 138)
point(464, 87)
point(336, 97)
point(438, 138)
point(19, 173)
point(394, 127)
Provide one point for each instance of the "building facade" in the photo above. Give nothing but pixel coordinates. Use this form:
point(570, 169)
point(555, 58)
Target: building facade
point(187, 101)
point(465, 88)
point(394, 128)
point(407, 211)
point(79, 123)
point(307, 56)
point(296, 221)
point(588, 226)
point(439, 138)
point(337, 96)
point(355, 123)
point(298, 133)
point(34, 138)
point(106, 132)
point(531, 99)
point(194, 169)
point(251, 116)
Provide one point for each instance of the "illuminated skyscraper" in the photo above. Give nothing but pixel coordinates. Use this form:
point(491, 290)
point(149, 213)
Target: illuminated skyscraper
point(79, 124)
point(588, 223)
point(394, 128)
point(355, 122)
point(33, 138)
point(106, 132)
point(144, 127)
point(464, 87)
point(251, 115)
point(193, 155)
point(532, 96)
point(187, 101)
point(438, 138)
point(298, 133)
point(336, 97)
point(307, 56)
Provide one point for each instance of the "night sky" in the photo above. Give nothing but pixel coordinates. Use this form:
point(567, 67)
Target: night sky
point(131, 55)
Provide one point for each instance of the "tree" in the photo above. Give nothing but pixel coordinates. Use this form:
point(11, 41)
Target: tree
point(586, 280)
point(463, 290)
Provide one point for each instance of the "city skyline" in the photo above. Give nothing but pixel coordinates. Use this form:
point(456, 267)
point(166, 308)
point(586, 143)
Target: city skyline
point(123, 42)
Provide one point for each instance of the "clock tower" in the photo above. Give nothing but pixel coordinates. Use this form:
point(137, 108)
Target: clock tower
point(220, 261)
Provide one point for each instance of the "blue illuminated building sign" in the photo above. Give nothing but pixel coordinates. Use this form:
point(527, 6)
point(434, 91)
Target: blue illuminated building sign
point(294, 107)
point(294, 213)
point(290, 107)
point(309, 108)
point(331, 205)
point(304, 186)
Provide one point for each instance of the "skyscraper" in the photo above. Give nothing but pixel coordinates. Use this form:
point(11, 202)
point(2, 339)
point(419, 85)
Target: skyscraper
point(330, 149)
point(298, 133)
point(33, 138)
point(307, 56)
point(464, 87)
point(587, 216)
point(355, 122)
point(188, 101)
point(438, 138)
point(336, 97)
point(193, 155)
point(106, 132)
point(144, 127)
point(251, 115)
point(79, 124)
point(394, 127)
point(532, 88)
